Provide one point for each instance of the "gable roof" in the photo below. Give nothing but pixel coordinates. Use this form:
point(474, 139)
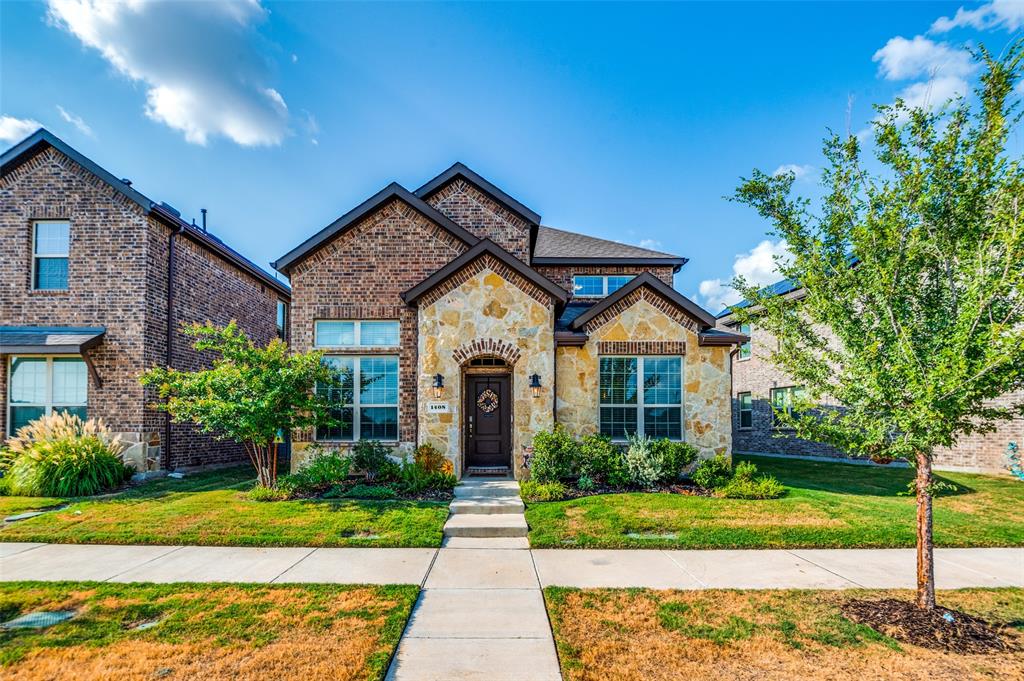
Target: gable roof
point(461, 170)
point(558, 246)
point(659, 287)
point(349, 219)
point(486, 247)
point(43, 139)
point(779, 288)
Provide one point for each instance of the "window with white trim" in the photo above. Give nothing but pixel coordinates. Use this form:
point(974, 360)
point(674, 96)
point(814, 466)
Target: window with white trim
point(42, 385)
point(746, 410)
point(50, 246)
point(369, 412)
point(598, 285)
point(330, 333)
point(641, 395)
point(745, 348)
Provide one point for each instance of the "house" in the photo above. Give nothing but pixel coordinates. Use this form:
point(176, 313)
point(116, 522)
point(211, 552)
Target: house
point(758, 384)
point(468, 324)
point(96, 280)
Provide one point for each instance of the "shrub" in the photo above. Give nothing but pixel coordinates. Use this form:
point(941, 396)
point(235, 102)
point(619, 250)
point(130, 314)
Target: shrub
point(61, 455)
point(261, 493)
point(371, 492)
point(601, 459)
point(676, 457)
point(643, 461)
point(324, 470)
point(432, 459)
point(586, 484)
point(371, 457)
point(414, 478)
point(556, 456)
point(532, 490)
point(744, 484)
point(713, 473)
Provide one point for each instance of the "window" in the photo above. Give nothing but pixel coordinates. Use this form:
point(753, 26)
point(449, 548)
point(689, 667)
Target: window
point(50, 241)
point(746, 410)
point(745, 348)
point(357, 334)
point(783, 398)
point(369, 412)
point(598, 285)
point(42, 385)
point(487, 362)
point(282, 320)
point(652, 407)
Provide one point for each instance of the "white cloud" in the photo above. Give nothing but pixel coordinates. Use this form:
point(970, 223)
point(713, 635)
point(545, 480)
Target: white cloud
point(76, 121)
point(799, 171)
point(201, 61)
point(16, 129)
point(652, 244)
point(759, 267)
point(1008, 14)
point(944, 68)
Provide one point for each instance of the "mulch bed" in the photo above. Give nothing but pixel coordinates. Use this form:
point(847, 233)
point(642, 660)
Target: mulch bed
point(938, 629)
point(687, 488)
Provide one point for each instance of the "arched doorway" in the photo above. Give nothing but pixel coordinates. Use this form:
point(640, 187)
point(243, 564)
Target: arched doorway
point(487, 420)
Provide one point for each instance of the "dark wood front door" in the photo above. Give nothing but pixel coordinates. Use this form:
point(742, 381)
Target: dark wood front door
point(488, 424)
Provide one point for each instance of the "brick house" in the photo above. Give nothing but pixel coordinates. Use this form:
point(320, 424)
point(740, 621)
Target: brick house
point(469, 325)
point(95, 283)
point(757, 384)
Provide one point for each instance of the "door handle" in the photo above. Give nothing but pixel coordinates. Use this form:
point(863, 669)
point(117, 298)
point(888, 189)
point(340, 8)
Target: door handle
point(470, 425)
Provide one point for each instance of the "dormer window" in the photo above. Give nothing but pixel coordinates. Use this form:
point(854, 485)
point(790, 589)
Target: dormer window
point(50, 241)
point(598, 285)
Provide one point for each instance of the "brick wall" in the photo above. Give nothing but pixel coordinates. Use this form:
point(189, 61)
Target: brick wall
point(563, 274)
point(473, 210)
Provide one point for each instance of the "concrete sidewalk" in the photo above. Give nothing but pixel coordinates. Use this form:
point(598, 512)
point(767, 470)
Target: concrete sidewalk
point(754, 569)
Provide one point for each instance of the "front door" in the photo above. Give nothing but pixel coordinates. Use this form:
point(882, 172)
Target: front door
point(488, 423)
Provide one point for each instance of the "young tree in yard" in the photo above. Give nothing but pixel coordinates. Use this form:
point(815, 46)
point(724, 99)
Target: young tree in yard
point(915, 274)
point(250, 394)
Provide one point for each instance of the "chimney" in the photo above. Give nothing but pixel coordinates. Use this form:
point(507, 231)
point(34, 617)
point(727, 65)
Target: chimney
point(203, 211)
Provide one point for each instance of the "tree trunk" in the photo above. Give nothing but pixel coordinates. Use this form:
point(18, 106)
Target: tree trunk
point(925, 546)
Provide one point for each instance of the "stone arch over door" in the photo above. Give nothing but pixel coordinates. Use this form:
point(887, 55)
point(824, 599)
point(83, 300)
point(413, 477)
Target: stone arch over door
point(486, 347)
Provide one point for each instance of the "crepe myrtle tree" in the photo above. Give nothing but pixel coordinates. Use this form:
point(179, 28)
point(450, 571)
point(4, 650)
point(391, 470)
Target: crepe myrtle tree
point(251, 394)
point(912, 316)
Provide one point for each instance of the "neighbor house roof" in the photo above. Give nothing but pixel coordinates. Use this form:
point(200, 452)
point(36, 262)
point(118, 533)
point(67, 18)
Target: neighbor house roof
point(779, 288)
point(49, 340)
point(651, 281)
point(460, 170)
point(349, 219)
point(486, 247)
point(42, 139)
point(557, 246)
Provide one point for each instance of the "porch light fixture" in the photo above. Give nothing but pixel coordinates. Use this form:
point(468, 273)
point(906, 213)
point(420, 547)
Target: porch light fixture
point(438, 386)
point(535, 385)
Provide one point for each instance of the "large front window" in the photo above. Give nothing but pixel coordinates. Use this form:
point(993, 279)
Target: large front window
point(50, 246)
point(366, 399)
point(641, 395)
point(358, 334)
point(43, 385)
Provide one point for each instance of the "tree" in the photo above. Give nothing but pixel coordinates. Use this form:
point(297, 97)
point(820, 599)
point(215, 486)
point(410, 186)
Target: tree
point(916, 272)
point(250, 394)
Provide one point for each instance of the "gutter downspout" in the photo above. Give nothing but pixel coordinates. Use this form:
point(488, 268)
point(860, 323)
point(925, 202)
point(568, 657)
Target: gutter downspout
point(165, 452)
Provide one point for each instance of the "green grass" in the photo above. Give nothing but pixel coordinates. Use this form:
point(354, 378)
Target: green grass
point(827, 505)
point(221, 630)
point(211, 509)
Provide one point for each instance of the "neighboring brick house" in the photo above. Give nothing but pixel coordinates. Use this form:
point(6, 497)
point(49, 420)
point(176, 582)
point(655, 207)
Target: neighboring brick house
point(85, 262)
point(757, 382)
point(469, 325)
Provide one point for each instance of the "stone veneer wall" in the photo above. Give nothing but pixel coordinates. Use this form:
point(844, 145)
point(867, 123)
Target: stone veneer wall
point(486, 310)
point(706, 402)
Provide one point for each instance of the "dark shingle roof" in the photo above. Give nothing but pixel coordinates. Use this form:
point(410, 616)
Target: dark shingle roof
point(779, 288)
point(557, 245)
point(49, 339)
point(570, 313)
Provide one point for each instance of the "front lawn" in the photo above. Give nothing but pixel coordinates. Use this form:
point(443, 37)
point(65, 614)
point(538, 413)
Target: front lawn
point(212, 509)
point(641, 634)
point(209, 631)
point(827, 505)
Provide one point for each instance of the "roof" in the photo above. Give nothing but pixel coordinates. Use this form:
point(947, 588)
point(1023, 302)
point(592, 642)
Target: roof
point(43, 138)
point(573, 310)
point(721, 337)
point(658, 286)
point(486, 246)
point(779, 288)
point(349, 219)
point(461, 170)
point(557, 246)
point(50, 340)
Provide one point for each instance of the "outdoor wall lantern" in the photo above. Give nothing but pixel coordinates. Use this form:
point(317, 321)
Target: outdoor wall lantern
point(535, 385)
point(438, 386)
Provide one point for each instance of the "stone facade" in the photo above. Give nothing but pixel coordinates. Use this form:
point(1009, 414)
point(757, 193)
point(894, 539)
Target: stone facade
point(117, 279)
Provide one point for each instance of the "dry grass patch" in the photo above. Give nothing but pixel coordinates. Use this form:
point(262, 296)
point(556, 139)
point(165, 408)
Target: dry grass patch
point(643, 634)
point(207, 631)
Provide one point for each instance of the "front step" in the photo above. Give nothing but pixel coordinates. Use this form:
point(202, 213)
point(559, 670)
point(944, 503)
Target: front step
point(487, 506)
point(475, 525)
point(474, 487)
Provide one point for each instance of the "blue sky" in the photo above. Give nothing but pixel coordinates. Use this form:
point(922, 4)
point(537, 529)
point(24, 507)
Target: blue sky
point(627, 122)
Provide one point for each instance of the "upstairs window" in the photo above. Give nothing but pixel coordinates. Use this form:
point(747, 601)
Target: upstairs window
point(282, 320)
point(598, 285)
point(50, 241)
point(745, 348)
point(356, 334)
